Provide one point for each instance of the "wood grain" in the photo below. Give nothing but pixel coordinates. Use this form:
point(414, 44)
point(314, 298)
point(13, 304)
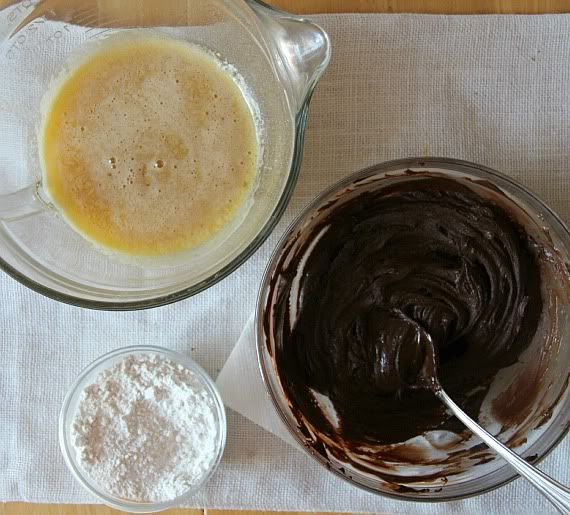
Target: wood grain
point(313, 7)
point(84, 509)
point(245, 512)
point(74, 509)
point(424, 6)
point(103, 12)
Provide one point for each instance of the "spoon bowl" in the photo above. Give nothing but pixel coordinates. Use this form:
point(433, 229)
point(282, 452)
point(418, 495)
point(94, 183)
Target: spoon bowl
point(428, 379)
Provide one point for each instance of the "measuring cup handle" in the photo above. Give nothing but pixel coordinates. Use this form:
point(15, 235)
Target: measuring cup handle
point(20, 204)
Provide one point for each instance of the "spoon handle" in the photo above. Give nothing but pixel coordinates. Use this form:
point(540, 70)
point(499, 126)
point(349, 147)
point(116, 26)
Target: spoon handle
point(556, 493)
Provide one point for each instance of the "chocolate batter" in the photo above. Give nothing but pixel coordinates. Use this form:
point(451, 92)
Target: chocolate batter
point(426, 251)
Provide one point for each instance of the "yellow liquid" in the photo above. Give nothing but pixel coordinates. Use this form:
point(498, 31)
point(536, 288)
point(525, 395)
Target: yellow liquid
point(149, 147)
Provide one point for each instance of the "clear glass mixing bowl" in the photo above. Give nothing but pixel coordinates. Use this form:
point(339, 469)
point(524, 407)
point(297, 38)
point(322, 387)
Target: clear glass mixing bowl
point(281, 57)
point(468, 467)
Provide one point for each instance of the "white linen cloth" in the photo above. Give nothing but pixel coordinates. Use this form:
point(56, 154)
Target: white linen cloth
point(491, 89)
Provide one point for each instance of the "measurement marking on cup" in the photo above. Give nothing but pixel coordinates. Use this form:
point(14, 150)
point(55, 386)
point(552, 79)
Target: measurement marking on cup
point(58, 34)
point(22, 37)
point(25, 5)
point(25, 38)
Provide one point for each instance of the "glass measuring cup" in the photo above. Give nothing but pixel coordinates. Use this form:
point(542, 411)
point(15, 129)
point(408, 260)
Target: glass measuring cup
point(280, 56)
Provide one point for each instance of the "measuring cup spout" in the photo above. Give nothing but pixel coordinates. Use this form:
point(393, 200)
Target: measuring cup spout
point(302, 50)
point(20, 204)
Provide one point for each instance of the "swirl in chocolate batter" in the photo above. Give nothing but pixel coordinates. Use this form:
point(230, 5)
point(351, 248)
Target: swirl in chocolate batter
point(427, 251)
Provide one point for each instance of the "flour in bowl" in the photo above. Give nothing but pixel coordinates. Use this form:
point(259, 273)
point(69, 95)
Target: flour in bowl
point(146, 429)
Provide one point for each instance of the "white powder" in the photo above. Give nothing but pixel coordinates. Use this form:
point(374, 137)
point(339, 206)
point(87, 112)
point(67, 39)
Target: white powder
point(145, 430)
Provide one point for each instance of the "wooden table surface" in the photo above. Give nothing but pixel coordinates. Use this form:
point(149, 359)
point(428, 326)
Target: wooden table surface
point(313, 7)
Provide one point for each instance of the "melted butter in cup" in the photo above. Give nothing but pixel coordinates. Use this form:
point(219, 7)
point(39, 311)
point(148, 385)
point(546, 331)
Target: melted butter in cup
point(149, 146)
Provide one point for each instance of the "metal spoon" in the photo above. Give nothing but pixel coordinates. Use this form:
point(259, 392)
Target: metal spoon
point(556, 493)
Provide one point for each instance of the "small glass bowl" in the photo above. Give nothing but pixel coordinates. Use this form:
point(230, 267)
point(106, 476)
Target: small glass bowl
point(69, 408)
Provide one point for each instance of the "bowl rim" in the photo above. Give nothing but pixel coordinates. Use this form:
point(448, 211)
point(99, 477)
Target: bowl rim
point(386, 167)
point(81, 381)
